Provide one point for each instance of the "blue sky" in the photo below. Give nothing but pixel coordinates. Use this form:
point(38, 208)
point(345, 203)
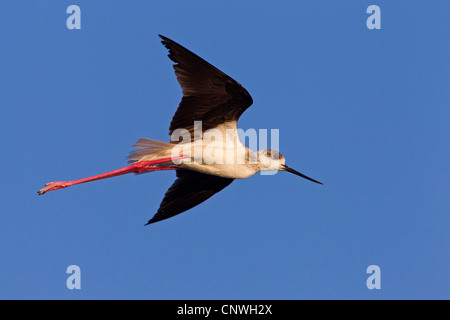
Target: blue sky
point(364, 111)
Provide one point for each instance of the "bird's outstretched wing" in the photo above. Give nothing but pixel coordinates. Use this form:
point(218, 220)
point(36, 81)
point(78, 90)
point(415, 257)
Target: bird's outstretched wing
point(190, 189)
point(209, 95)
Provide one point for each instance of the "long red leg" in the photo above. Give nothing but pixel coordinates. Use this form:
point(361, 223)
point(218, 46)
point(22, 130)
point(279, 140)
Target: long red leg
point(138, 167)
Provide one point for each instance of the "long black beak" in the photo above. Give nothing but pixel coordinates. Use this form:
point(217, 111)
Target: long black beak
point(289, 169)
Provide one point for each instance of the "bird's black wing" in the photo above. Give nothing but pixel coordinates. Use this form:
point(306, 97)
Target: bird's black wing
point(209, 94)
point(190, 189)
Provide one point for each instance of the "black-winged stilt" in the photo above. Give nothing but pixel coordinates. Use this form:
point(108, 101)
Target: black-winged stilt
point(210, 154)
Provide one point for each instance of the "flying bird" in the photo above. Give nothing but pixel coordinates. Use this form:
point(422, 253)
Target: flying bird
point(207, 116)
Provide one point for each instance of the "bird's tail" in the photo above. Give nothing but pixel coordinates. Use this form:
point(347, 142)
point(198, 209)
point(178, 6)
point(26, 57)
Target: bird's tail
point(148, 149)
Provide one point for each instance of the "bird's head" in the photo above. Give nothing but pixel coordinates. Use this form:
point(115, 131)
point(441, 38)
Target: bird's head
point(271, 160)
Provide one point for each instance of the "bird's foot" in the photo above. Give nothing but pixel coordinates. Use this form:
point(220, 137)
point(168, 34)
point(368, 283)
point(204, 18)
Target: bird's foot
point(53, 186)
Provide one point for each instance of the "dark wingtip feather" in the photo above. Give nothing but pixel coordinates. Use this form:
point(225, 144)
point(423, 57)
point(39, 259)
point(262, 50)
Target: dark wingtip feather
point(152, 220)
point(165, 41)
